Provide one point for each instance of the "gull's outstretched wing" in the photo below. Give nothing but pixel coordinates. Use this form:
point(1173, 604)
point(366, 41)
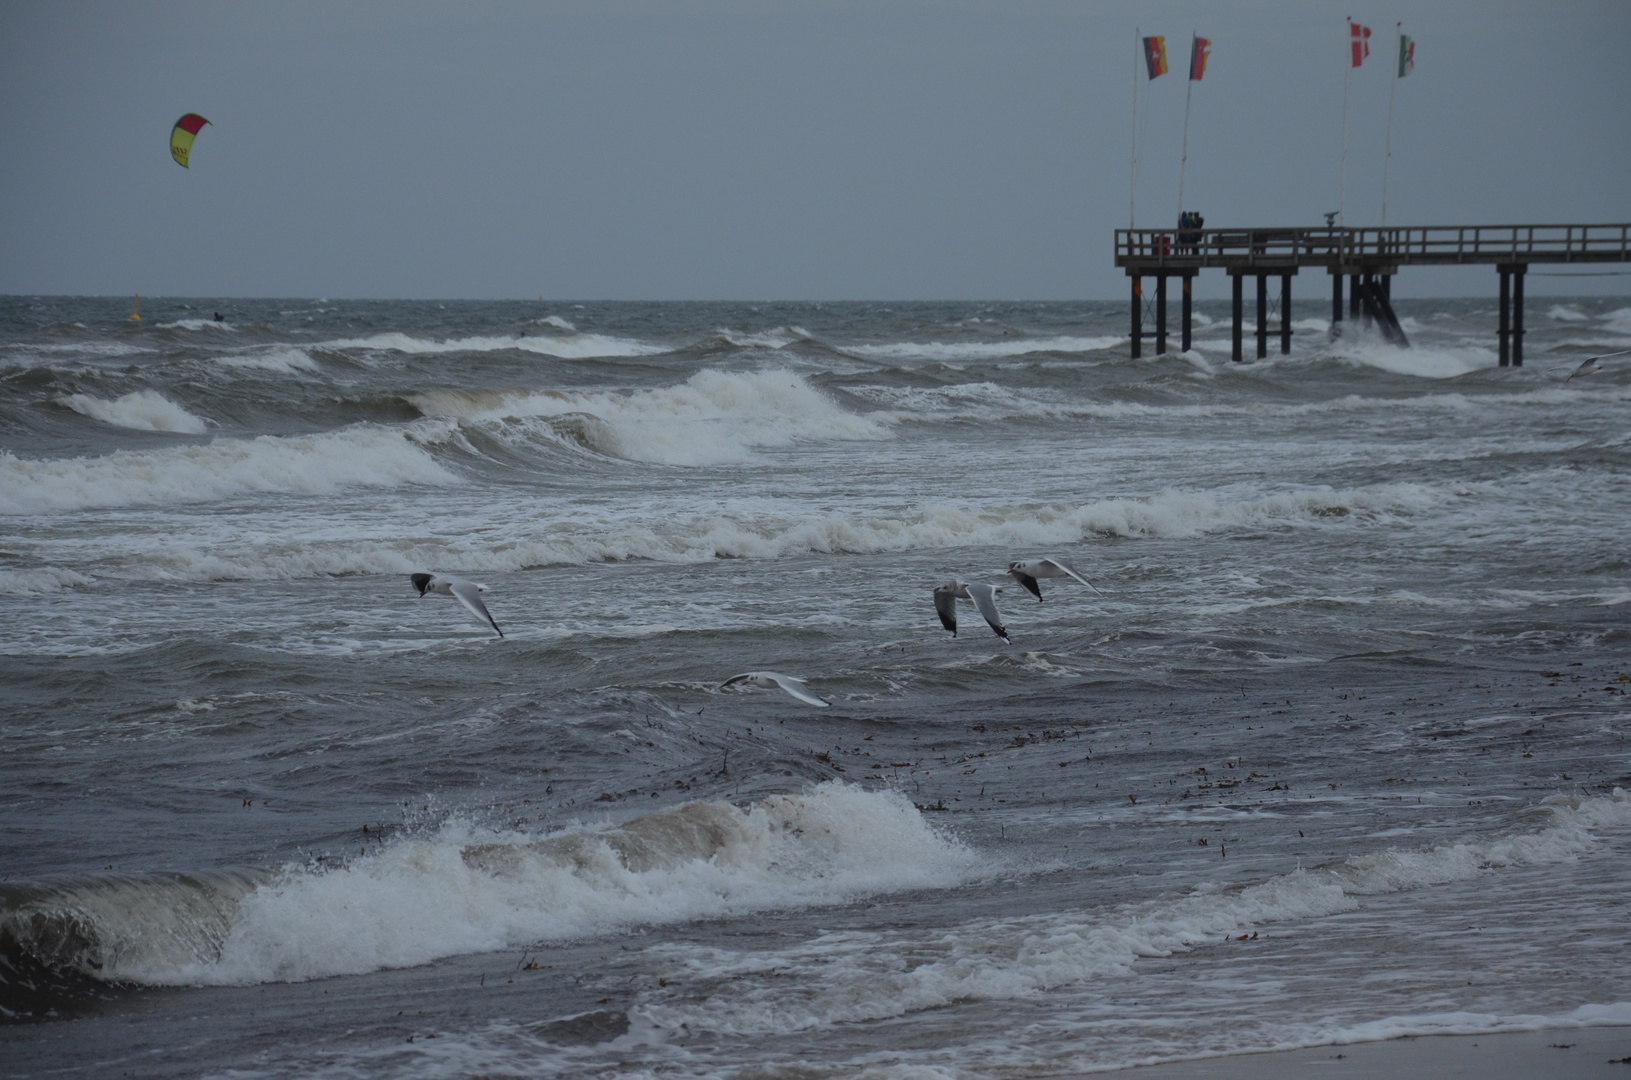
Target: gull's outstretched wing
point(1590, 366)
point(985, 598)
point(945, 605)
point(794, 686)
point(1067, 570)
point(468, 594)
point(1028, 581)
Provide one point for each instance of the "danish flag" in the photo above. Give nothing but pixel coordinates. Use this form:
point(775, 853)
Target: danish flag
point(1359, 40)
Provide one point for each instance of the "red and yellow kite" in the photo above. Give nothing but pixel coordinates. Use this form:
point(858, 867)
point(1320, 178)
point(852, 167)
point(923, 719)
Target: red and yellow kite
point(182, 136)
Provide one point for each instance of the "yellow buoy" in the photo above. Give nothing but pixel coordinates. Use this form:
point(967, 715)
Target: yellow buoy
point(136, 312)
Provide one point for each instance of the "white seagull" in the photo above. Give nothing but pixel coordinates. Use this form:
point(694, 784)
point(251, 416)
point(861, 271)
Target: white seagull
point(771, 680)
point(465, 592)
point(1591, 367)
point(1029, 570)
point(984, 597)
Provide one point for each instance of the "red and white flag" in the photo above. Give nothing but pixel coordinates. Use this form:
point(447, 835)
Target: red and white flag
point(1359, 41)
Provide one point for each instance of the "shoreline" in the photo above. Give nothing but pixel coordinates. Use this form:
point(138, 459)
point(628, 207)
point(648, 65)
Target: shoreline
point(1584, 1052)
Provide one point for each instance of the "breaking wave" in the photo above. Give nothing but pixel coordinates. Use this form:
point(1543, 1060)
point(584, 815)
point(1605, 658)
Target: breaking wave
point(979, 350)
point(691, 537)
point(575, 347)
point(711, 418)
point(463, 891)
point(360, 455)
point(139, 410)
point(861, 976)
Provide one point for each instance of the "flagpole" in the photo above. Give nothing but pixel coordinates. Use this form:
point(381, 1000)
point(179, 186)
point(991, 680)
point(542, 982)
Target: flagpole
point(1132, 198)
point(1387, 157)
point(1342, 191)
point(1183, 162)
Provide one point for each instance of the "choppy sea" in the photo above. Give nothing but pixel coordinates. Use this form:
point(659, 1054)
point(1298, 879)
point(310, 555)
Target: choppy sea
point(1340, 753)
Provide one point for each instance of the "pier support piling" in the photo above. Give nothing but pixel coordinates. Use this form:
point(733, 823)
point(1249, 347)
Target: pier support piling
point(1138, 316)
point(1160, 314)
point(1262, 316)
point(1503, 329)
point(1236, 284)
point(1353, 296)
point(1517, 314)
point(1189, 281)
point(1285, 314)
point(1336, 301)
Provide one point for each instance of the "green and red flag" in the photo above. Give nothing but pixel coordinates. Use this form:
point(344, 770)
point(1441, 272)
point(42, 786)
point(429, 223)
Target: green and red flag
point(1407, 55)
point(1199, 53)
point(1155, 56)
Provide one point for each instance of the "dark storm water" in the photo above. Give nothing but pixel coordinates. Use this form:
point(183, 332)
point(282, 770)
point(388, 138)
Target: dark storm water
point(1355, 687)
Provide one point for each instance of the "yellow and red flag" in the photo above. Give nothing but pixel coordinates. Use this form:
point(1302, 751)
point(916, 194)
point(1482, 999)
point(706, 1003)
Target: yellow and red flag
point(182, 136)
point(1155, 56)
point(1199, 53)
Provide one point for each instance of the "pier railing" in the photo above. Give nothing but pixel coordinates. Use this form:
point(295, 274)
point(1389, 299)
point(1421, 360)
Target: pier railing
point(1361, 250)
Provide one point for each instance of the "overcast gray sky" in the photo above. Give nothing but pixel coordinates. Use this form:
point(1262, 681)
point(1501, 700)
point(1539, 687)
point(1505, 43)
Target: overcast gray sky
point(764, 150)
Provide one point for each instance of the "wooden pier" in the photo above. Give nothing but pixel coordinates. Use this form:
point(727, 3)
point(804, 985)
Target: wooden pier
point(1367, 257)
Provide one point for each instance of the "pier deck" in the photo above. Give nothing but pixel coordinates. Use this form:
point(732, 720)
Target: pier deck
point(1368, 256)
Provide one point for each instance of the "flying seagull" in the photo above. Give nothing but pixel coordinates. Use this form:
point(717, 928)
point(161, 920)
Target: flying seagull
point(1591, 366)
point(1028, 571)
point(465, 592)
point(984, 597)
point(771, 680)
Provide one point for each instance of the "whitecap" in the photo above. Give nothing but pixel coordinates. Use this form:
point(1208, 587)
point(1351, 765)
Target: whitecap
point(464, 890)
point(980, 350)
point(712, 418)
point(578, 346)
point(139, 410)
point(360, 455)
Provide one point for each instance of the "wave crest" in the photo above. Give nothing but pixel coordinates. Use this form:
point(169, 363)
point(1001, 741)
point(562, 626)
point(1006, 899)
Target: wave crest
point(456, 892)
point(139, 410)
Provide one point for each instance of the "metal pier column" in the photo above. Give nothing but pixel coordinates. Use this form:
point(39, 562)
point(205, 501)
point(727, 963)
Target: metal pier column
point(1189, 280)
point(1138, 316)
point(1235, 355)
point(1353, 296)
point(1517, 314)
point(1160, 314)
point(1262, 316)
point(1285, 314)
point(1504, 330)
point(1336, 299)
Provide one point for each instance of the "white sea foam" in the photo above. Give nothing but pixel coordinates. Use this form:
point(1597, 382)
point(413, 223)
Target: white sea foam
point(197, 324)
point(284, 360)
point(85, 348)
point(578, 346)
point(711, 418)
point(45, 579)
point(703, 537)
point(980, 350)
point(139, 410)
point(868, 976)
point(1566, 313)
point(558, 323)
point(1435, 362)
point(463, 890)
point(363, 454)
point(1618, 320)
point(762, 339)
